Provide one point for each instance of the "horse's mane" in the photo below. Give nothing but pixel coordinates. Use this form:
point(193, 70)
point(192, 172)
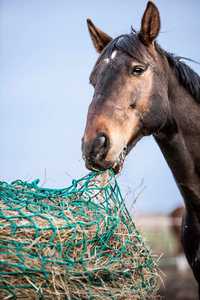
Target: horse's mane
point(131, 44)
point(185, 75)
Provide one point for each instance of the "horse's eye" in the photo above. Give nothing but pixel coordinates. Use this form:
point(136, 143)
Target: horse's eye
point(137, 70)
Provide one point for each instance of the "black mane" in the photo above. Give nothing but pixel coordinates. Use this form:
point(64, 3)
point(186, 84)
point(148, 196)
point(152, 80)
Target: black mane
point(130, 44)
point(185, 75)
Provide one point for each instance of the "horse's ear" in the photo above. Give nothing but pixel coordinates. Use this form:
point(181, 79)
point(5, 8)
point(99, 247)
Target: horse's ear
point(99, 38)
point(150, 25)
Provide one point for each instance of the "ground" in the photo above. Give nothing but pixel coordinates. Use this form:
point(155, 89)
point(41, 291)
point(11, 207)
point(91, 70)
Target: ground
point(177, 285)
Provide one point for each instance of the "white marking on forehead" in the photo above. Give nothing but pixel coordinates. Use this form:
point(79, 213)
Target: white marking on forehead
point(106, 60)
point(114, 53)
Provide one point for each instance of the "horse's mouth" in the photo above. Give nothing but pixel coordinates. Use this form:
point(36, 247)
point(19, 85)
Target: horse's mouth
point(118, 165)
point(105, 165)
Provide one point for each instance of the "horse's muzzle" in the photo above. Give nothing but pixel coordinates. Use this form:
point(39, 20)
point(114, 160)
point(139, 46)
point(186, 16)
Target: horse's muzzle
point(95, 151)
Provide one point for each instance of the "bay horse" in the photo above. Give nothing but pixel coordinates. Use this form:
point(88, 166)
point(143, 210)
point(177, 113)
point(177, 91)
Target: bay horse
point(140, 89)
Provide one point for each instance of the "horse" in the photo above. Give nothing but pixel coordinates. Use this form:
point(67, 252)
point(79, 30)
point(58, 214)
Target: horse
point(175, 229)
point(140, 89)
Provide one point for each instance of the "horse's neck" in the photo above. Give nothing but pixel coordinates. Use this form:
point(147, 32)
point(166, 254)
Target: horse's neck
point(181, 144)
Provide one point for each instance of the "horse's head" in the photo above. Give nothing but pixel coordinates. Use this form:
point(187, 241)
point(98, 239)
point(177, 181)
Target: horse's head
point(130, 93)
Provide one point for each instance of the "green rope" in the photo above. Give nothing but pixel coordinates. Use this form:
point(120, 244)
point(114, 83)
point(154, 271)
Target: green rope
point(77, 242)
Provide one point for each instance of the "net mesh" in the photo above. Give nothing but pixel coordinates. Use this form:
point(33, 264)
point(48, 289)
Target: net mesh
point(77, 242)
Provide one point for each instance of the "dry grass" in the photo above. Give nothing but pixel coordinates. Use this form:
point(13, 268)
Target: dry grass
point(87, 251)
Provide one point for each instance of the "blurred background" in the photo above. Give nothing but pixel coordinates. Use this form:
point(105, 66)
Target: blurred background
point(46, 57)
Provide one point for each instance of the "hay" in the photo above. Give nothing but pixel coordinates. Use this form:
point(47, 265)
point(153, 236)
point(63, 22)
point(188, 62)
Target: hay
point(72, 243)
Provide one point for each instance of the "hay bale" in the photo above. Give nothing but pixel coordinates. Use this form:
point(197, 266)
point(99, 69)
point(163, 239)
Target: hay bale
point(73, 243)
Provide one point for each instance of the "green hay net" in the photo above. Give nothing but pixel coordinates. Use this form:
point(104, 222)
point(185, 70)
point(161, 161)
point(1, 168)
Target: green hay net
point(72, 243)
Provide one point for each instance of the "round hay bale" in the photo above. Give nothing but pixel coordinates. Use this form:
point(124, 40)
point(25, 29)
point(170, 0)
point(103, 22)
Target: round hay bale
point(73, 243)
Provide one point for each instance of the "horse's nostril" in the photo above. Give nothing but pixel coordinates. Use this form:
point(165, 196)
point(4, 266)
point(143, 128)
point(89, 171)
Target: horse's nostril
point(100, 146)
point(100, 141)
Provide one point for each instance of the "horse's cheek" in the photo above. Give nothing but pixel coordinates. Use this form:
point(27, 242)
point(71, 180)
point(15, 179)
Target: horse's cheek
point(155, 116)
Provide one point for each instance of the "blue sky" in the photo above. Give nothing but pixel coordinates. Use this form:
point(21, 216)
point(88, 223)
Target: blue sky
point(45, 60)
